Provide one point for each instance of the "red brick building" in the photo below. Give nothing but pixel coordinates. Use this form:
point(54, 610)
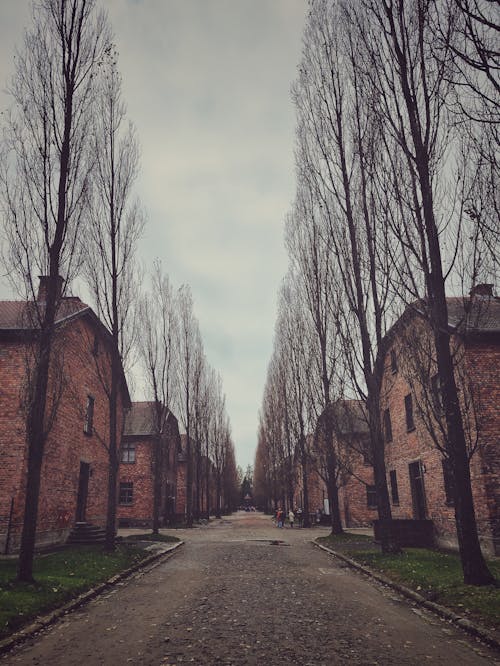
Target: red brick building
point(137, 467)
point(74, 473)
point(357, 500)
point(419, 480)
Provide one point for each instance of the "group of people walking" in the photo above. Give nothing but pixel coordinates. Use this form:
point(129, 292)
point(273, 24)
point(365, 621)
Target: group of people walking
point(280, 516)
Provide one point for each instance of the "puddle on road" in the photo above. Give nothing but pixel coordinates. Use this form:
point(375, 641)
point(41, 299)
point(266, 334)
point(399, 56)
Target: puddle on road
point(272, 542)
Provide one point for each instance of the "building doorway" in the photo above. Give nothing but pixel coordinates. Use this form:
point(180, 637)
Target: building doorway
point(83, 492)
point(417, 489)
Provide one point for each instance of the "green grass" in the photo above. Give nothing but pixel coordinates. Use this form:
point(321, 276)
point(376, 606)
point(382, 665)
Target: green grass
point(344, 538)
point(434, 574)
point(59, 577)
point(149, 536)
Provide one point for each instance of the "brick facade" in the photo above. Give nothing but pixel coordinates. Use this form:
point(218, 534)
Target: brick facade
point(355, 473)
point(80, 348)
point(137, 467)
point(411, 413)
point(412, 455)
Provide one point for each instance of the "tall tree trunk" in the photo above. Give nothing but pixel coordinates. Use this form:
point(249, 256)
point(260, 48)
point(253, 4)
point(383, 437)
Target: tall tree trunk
point(112, 454)
point(36, 442)
point(332, 464)
point(158, 482)
point(218, 511)
point(189, 480)
point(207, 479)
point(305, 514)
point(475, 569)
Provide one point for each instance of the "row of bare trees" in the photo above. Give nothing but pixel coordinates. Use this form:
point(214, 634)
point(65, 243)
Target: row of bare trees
point(396, 204)
point(69, 160)
point(179, 376)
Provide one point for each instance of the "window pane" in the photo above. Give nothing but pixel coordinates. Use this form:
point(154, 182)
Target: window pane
point(387, 426)
point(394, 487)
point(394, 362)
point(89, 416)
point(410, 424)
point(128, 452)
point(126, 492)
point(371, 497)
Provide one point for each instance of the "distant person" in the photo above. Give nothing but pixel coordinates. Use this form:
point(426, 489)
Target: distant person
point(280, 517)
point(318, 516)
point(291, 517)
point(299, 516)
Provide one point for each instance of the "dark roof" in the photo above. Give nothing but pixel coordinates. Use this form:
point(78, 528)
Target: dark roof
point(19, 318)
point(22, 315)
point(476, 316)
point(141, 420)
point(348, 417)
point(479, 314)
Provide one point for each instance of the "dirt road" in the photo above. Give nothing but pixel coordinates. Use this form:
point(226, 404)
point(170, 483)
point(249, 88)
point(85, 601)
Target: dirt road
point(230, 596)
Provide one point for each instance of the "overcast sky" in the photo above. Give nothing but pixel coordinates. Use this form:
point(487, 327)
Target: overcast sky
point(207, 84)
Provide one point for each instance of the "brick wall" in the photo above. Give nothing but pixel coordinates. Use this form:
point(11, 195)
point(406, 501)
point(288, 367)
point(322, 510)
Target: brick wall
point(141, 474)
point(480, 364)
point(67, 445)
point(483, 363)
point(354, 510)
point(12, 439)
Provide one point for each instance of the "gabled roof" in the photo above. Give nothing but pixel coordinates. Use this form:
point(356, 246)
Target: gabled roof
point(479, 314)
point(22, 315)
point(473, 316)
point(141, 420)
point(20, 320)
point(348, 417)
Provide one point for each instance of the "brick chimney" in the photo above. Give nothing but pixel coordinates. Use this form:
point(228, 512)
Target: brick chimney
point(44, 285)
point(482, 290)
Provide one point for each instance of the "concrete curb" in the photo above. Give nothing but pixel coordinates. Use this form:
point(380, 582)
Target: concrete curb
point(474, 629)
point(45, 620)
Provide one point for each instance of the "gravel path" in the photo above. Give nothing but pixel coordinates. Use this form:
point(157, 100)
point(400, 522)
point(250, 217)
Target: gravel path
point(232, 596)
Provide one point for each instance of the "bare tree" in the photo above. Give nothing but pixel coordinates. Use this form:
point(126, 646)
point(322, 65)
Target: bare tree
point(294, 344)
point(413, 87)
point(230, 480)
point(45, 187)
point(116, 225)
point(188, 349)
point(207, 415)
point(199, 414)
point(262, 472)
point(310, 252)
point(219, 433)
point(337, 158)
point(277, 432)
point(157, 347)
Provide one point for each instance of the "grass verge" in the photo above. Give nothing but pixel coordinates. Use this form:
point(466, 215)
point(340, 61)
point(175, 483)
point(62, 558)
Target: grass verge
point(149, 536)
point(59, 576)
point(435, 575)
